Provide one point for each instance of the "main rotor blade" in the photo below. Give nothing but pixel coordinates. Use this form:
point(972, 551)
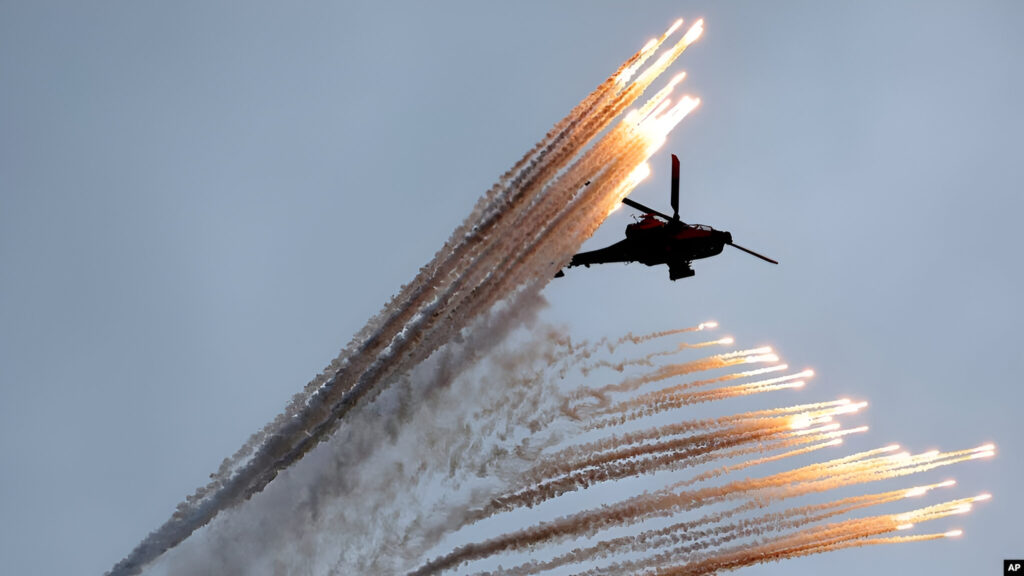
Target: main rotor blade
point(752, 253)
point(675, 187)
point(642, 208)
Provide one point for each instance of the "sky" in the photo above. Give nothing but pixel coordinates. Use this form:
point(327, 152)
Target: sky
point(200, 205)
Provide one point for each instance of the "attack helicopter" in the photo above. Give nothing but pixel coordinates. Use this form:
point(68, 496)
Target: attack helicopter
point(659, 239)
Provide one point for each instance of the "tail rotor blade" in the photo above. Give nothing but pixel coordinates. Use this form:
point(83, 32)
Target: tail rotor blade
point(752, 253)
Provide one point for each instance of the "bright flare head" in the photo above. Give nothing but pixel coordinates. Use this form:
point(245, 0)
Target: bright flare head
point(755, 358)
point(800, 422)
point(661, 107)
point(851, 408)
point(640, 173)
point(675, 26)
point(694, 32)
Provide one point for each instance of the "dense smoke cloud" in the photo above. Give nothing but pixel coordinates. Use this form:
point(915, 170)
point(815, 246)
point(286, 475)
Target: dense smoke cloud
point(454, 412)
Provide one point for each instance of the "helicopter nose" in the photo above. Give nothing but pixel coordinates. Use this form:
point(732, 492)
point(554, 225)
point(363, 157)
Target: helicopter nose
point(728, 238)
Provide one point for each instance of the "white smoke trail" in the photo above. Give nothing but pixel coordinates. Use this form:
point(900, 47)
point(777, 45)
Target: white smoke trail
point(452, 290)
point(442, 412)
point(472, 422)
point(418, 434)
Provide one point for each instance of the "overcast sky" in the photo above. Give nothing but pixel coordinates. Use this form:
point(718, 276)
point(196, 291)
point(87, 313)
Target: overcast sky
point(199, 205)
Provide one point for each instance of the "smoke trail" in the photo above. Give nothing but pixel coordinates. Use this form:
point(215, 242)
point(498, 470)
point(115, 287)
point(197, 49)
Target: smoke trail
point(452, 290)
point(378, 465)
point(448, 408)
point(691, 537)
point(710, 363)
point(467, 439)
point(651, 398)
point(855, 469)
point(587, 349)
point(831, 537)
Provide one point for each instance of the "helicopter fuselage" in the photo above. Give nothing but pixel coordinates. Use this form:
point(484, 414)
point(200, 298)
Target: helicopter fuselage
point(652, 242)
point(656, 242)
point(658, 238)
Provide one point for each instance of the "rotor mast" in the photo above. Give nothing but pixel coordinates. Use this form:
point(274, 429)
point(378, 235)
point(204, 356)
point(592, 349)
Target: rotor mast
point(675, 188)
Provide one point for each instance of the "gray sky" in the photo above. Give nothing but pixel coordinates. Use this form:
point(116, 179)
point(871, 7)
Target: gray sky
point(200, 205)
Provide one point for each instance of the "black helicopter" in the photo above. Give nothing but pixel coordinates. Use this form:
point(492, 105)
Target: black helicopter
point(657, 239)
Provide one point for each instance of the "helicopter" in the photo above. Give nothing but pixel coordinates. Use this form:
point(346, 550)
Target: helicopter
point(659, 239)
